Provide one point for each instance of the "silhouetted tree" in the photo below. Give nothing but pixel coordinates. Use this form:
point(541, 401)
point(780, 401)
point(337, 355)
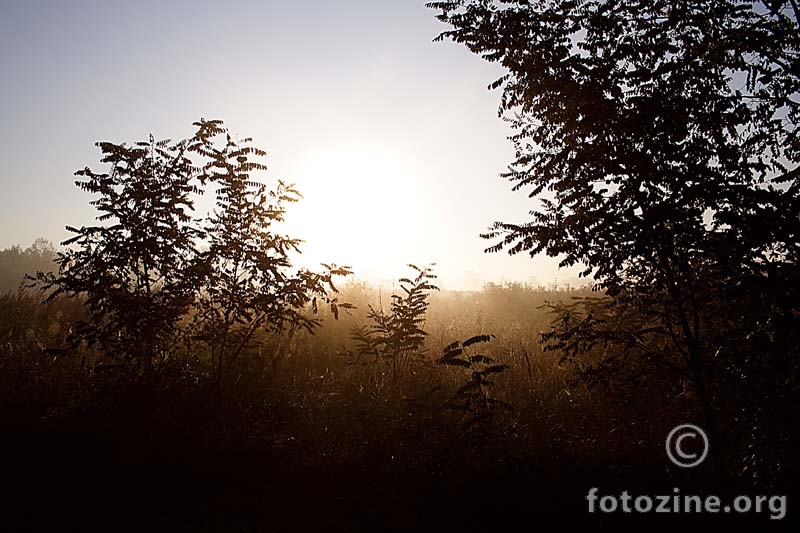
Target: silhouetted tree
point(474, 397)
point(156, 275)
point(246, 283)
point(662, 140)
point(395, 337)
point(133, 269)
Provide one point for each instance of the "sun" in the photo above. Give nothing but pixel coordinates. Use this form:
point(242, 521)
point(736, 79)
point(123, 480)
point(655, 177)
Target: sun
point(363, 207)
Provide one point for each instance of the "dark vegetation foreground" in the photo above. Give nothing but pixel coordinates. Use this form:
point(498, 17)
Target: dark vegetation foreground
point(311, 436)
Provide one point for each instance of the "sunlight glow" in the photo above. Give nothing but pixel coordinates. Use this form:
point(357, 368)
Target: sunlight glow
point(362, 206)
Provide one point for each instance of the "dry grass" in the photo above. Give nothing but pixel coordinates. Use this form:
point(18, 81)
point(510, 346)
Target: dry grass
point(306, 411)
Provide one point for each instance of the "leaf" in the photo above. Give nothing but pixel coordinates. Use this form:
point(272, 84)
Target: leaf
point(452, 346)
point(476, 339)
point(450, 361)
point(453, 353)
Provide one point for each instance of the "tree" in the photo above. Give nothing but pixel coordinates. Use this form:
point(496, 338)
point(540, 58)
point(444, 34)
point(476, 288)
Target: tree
point(156, 275)
point(474, 398)
point(134, 269)
point(246, 283)
point(662, 141)
point(395, 337)
point(16, 263)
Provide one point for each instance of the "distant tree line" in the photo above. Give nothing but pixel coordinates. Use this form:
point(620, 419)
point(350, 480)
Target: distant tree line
point(16, 263)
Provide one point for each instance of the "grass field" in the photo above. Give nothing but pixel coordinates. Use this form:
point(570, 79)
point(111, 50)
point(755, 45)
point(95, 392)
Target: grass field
point(310, 435)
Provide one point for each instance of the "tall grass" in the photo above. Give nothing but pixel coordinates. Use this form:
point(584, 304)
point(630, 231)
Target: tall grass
point(311, 403)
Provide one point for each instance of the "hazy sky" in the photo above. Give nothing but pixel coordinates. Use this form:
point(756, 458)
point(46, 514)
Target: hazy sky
point(393, 140)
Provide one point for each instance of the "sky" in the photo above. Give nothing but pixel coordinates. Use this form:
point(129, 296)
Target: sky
point(393, 140)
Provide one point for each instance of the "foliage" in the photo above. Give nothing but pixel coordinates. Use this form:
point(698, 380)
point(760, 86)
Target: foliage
point(156, 276)
point(662, 142)
point(474, 396)
point(319, 415)
point(398, 335)
point(631, 114)
point(135, 269)
point(245, 284)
